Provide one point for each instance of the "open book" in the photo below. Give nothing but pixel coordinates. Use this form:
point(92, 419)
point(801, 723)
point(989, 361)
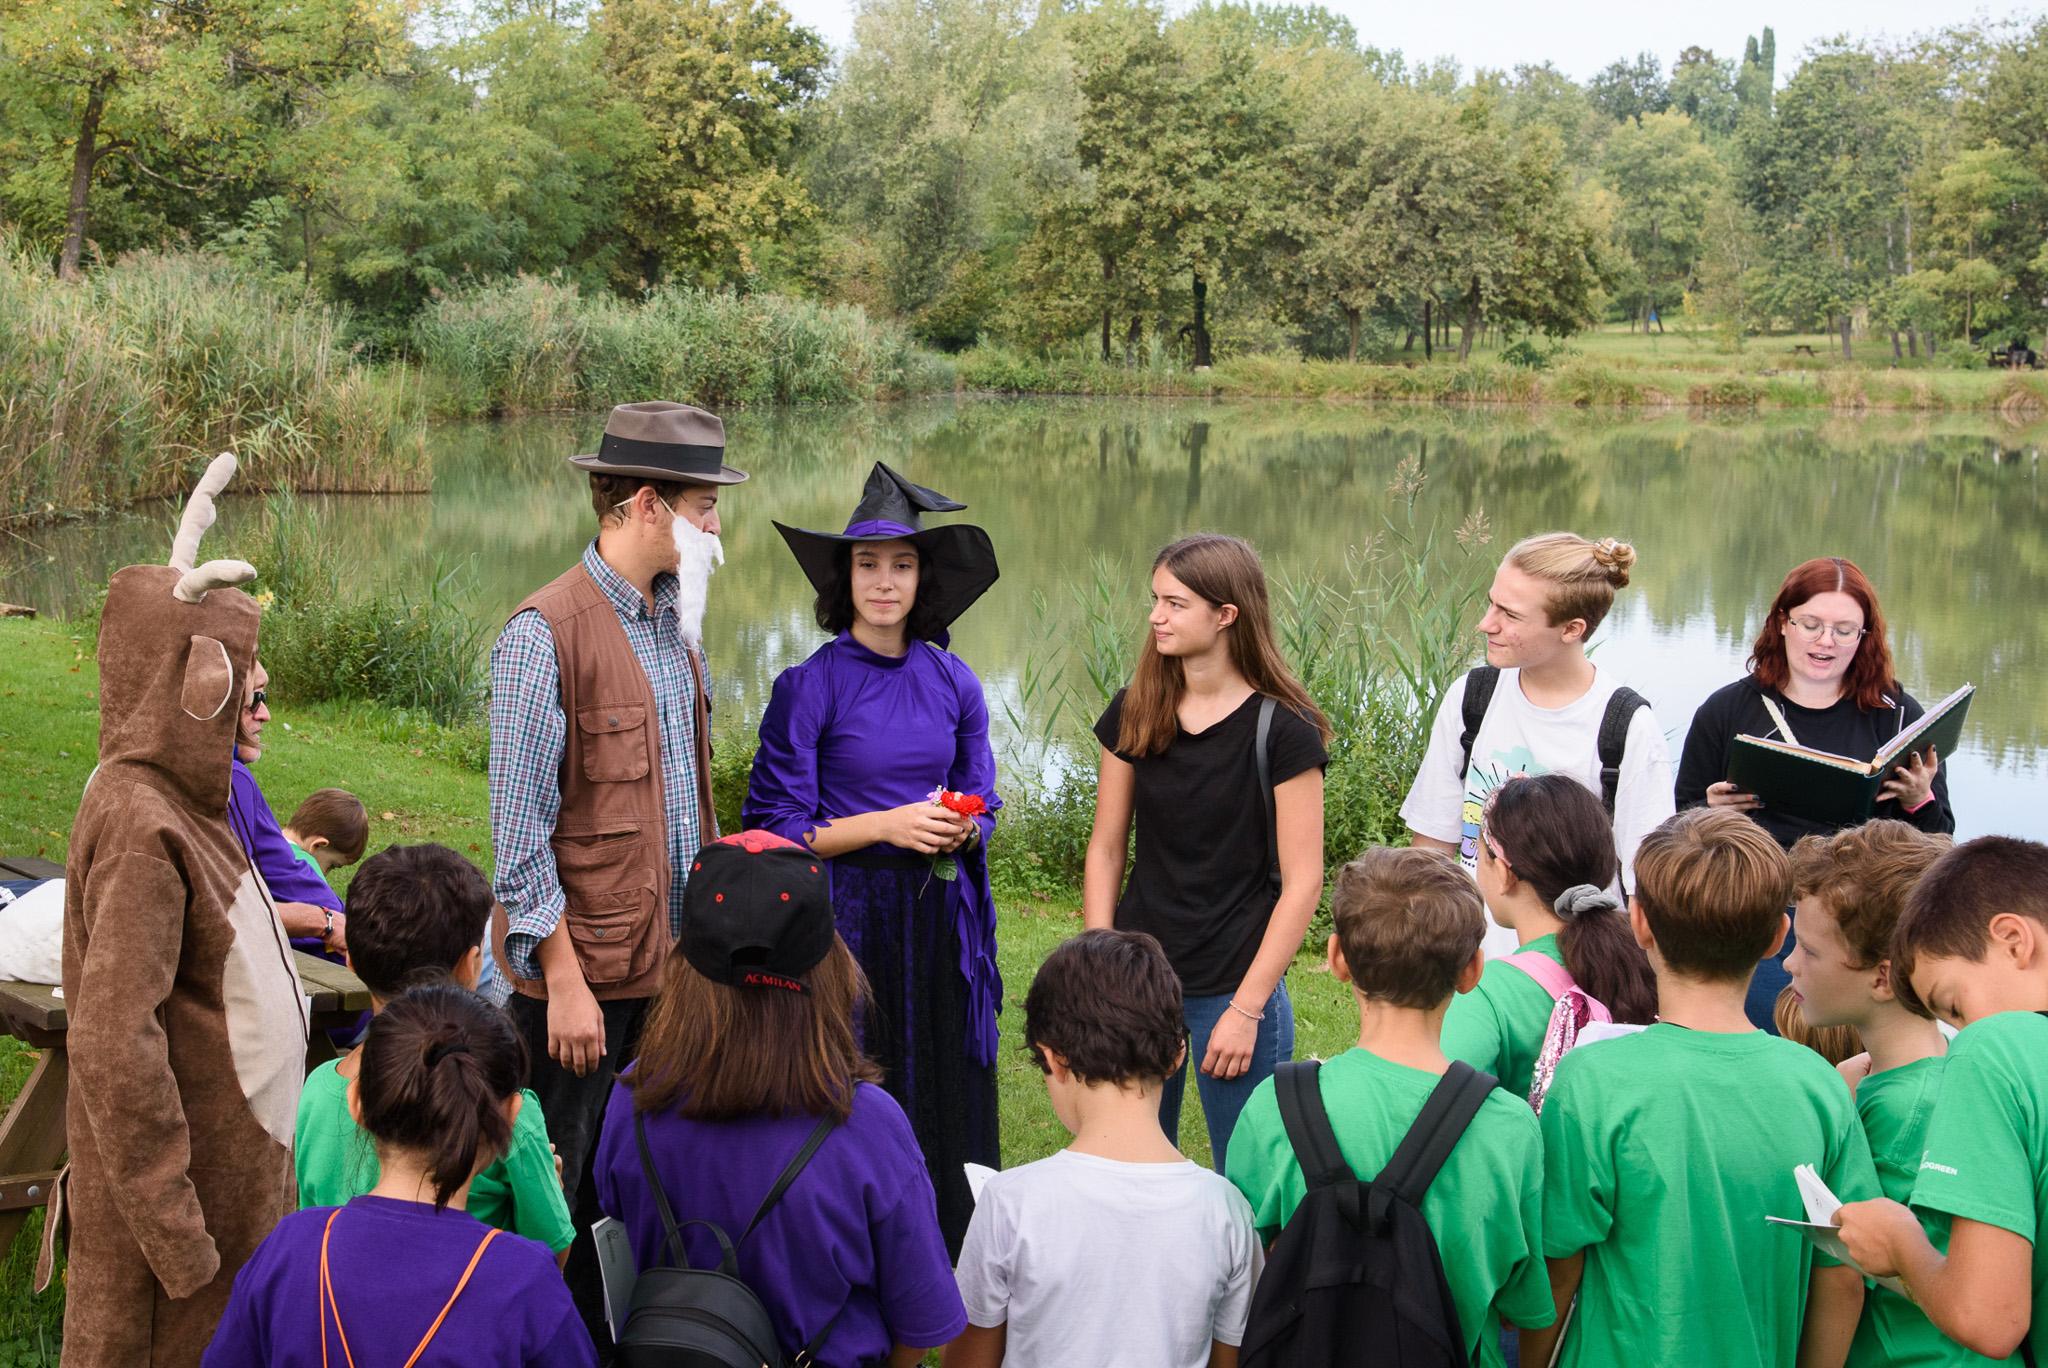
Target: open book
point(1819, 1226)
point(1824, 787)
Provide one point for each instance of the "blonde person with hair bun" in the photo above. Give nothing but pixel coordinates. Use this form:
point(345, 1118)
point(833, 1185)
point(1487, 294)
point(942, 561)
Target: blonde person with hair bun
point(1538, 705)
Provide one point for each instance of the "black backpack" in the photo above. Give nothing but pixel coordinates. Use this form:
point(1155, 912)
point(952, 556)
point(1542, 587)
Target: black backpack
point(684, 1317)
point(1614, 723)
point(1355, 1277)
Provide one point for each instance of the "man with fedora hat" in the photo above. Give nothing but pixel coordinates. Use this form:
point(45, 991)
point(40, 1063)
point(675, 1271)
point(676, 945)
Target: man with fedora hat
point(600, 765)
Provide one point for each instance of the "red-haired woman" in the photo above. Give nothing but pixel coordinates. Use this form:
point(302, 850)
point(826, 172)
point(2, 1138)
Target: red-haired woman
point(1820, 675)
point(1179, 755)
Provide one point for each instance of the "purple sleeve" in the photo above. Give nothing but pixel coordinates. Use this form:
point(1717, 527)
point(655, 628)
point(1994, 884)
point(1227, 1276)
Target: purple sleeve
point(239, 1338)
point(288, 878)
point(914, 1280)
point(974, 763)
point(782, 792)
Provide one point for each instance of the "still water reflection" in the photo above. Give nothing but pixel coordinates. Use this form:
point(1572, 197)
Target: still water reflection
point(1947, 516)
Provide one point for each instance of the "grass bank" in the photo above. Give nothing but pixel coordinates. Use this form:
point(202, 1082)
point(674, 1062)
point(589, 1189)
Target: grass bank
point(117, 387)
point(536, 346)
point(1601, 369)
point(422, 782)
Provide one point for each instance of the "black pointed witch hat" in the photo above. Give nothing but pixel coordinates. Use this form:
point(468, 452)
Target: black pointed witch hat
point(958, 559)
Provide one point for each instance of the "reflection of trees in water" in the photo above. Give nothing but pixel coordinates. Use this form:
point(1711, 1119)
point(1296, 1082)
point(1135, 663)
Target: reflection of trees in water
point(1946, 513)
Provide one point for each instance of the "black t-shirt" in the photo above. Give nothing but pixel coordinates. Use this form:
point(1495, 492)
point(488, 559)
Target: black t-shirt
point(1199, 880)
point(1844, 728)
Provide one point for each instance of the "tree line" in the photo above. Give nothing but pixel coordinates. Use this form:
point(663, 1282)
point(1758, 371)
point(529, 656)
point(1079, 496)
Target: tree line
point(1042, 174)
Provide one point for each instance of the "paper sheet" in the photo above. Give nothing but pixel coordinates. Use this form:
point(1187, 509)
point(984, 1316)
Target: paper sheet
point(615, 1266)
point(1819, 1226)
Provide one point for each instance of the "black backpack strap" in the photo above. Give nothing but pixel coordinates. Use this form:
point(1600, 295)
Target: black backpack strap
point(668, 1215)
point(826, 1125)
point(1452, 1104)
point(1262, 754)
point(1297, 1087)
point(1480, 682)
point(1622, 707)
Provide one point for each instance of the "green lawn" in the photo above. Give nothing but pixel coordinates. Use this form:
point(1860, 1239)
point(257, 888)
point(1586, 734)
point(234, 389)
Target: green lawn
point(418, 788)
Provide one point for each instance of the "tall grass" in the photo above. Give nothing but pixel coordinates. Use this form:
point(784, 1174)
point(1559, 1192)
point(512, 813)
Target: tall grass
point(529, 345)
point(1376, 648)
point(327, 636)
point(114, 387)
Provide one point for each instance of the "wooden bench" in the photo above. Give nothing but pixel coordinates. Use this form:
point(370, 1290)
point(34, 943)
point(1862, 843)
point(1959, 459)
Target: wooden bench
point(32, 1135)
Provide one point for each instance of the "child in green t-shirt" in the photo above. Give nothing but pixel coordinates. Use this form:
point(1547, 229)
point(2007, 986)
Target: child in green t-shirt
point(1972, 949)
point(416, 914)
point(329, 831)
point(1546, 857)
point(1664, 1150)
point(1852, 886)
point(1408, 928)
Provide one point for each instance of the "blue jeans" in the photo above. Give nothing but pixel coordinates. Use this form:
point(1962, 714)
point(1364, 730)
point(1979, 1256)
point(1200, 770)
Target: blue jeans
point(1224, 1098)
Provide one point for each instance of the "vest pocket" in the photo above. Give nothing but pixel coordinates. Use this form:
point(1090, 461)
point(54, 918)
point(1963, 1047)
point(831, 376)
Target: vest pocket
point(613, 739)
point(615, 928)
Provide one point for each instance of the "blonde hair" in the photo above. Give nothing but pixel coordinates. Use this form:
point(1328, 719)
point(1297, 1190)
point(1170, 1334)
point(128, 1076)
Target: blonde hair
point(1832, 1043)
point(1582, 574)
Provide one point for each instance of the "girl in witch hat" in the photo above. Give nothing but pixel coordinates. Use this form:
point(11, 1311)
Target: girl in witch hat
point(859, 746)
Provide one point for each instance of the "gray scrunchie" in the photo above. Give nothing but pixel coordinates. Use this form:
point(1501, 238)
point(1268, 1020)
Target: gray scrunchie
point(1581, 898)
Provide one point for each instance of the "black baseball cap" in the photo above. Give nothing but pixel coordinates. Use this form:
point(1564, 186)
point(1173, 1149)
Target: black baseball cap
point(757, 912)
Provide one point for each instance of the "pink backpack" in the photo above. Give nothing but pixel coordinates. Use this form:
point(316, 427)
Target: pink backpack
point(1574, 1010)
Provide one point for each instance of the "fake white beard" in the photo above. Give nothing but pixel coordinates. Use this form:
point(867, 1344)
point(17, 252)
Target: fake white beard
point(699, 553)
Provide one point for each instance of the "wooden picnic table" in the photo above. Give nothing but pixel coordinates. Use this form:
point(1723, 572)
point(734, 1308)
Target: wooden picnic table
point(1803, 349)
point(32, 1135)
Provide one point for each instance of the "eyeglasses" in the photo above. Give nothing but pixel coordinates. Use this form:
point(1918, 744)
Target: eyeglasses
point(257, 700)
point(1815, 629)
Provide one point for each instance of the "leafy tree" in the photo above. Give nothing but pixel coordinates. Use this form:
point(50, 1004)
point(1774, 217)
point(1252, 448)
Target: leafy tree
point(188, 96)
point(1703, 89)
point(1756, 81)
point(719, 86)
point(1627, 89)
point(1664, 180)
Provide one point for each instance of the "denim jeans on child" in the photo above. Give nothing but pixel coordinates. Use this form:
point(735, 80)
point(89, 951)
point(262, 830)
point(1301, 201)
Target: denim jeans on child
point(1224, 1098)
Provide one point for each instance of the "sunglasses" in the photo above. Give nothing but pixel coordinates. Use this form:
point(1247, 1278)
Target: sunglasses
point(256, 700)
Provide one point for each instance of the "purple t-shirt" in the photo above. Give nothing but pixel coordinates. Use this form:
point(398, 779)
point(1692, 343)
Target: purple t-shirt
point(859, 1227)
point(393, 1265)
point(288, 878)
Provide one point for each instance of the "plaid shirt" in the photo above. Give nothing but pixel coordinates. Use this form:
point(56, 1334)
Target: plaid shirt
point(529, 731)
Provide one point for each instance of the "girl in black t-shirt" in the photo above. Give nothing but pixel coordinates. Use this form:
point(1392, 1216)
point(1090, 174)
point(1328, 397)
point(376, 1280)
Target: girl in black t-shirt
point(1820, 675)
point(1178, 755)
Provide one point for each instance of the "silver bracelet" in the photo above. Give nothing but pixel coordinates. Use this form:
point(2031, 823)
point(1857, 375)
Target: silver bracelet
point(1248, 1016)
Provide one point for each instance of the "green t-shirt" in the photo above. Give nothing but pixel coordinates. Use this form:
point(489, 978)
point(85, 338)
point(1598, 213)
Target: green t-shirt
point(1485, 1206)
point(1895, 1107)
point(1663, 1152)
point(1499, 1026)
point(518, 1192)
point(305, 857)
point(1987, 1144)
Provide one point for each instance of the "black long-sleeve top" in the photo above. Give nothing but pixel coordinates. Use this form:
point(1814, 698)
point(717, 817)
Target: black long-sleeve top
point(1843, 728)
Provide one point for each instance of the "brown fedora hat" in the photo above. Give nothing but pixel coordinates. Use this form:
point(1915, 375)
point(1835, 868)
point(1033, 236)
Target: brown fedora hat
point(662, 441)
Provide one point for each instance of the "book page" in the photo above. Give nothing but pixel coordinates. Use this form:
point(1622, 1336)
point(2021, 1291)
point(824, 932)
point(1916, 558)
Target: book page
point(1903, 742)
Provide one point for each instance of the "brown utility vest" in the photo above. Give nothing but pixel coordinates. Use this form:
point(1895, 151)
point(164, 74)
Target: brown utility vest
point(611, 835)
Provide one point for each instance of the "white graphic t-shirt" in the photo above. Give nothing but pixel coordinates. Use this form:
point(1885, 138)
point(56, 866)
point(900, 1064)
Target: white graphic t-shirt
point(1518, 737)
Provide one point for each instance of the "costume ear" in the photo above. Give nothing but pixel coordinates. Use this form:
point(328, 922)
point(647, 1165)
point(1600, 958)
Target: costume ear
point(209, 679)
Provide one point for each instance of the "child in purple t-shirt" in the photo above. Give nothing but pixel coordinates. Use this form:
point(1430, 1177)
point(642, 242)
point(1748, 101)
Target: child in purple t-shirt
point(749, 1043)
point(403, 1274)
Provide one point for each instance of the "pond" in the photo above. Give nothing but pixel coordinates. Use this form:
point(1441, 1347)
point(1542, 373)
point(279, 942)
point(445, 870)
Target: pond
point(1948, 515)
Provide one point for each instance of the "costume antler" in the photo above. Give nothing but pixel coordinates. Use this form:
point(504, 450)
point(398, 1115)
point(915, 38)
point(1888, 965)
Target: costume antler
point(194, 582)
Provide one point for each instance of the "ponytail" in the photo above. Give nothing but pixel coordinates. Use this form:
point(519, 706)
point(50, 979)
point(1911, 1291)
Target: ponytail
point(436, 1068)
point(1557, 838)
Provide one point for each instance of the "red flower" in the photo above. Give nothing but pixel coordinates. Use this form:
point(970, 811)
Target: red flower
point(966, 804)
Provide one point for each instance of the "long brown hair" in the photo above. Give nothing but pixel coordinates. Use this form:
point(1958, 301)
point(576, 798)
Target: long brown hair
point(1870, 670)
point(436, 1068)
point(1221, 570)
point(1554, 835)
point(720, 1053)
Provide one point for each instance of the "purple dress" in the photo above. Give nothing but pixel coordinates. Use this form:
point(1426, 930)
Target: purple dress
point(849, 731)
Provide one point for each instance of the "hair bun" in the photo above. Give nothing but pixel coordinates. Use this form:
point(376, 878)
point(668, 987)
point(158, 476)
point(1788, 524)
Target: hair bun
point(1616, 557)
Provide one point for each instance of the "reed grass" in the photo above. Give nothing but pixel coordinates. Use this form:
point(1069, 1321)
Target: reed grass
point(117, 386)
point(530, 346)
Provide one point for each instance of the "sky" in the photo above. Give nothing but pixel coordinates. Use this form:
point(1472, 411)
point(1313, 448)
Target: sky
point(1581, 36)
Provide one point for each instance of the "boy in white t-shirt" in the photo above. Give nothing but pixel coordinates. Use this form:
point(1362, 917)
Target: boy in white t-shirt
point(1548, 705)
point(1116, 1241)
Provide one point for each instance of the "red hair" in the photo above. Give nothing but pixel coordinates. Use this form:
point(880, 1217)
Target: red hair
point(1870, 670)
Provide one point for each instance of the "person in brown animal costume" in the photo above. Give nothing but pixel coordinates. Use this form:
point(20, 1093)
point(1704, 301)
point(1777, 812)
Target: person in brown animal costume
point(188, 1024)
